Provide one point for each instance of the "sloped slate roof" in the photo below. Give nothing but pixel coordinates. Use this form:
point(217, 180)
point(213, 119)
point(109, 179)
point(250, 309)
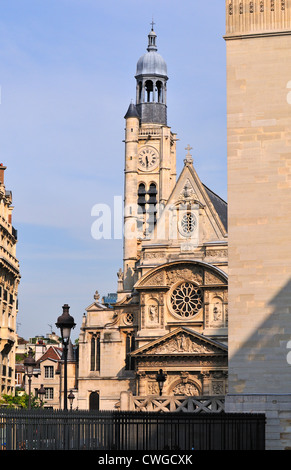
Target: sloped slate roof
point(219, 204)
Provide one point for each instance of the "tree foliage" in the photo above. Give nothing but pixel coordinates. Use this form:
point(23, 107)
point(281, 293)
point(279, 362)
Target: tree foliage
point(19, 401)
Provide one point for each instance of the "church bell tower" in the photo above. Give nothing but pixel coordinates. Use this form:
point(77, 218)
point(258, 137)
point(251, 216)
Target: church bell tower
point(150, 156)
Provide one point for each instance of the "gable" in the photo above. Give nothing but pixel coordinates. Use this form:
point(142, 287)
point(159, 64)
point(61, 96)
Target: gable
point(182, 341)
point(208, 209)
point(53, 354)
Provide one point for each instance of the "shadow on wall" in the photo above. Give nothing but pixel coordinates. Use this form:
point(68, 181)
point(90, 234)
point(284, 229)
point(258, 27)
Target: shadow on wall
point(263, 363)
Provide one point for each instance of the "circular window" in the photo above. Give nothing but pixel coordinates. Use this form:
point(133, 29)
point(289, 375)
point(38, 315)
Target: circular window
point(129, 318)
point(186, 300)
point(187, 224)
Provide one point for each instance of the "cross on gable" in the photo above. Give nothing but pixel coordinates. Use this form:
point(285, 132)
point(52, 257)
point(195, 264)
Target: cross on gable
point(188, 148)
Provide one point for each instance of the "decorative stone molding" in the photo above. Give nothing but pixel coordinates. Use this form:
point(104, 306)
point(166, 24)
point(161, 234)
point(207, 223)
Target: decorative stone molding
point(174, 275)
point(153, 255)
point(256, 17)
point(202, 404)
point(182, 344)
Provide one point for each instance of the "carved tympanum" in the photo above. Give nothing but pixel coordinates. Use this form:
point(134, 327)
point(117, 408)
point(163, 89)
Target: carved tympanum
point(182, 343)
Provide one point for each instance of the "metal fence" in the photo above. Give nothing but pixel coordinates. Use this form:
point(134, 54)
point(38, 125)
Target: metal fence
point(105, 430)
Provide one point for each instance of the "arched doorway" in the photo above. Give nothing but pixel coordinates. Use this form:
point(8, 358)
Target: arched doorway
point(94, 401)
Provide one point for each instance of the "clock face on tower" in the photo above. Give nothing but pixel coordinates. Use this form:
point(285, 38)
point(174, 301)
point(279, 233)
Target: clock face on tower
point(148, 158)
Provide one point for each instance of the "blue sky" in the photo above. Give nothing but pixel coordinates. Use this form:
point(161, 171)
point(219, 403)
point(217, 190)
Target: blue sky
point(67, 77)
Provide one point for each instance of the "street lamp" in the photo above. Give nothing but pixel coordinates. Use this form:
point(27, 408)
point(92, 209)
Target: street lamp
point(41, 393)
point(29, 365)
point(71, 398)
point(161, 378)
point(65, 322)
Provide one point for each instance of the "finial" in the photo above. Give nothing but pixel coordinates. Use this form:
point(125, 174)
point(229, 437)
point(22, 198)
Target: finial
point(152, 39)
point(96, 295)
point(188, 159)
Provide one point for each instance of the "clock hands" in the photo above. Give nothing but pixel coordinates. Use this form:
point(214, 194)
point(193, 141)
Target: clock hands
point(147, 158)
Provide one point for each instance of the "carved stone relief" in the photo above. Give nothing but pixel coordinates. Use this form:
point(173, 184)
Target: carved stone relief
point(154, 254)
point(188, 389)
point(216, 310)
point(218, 387)
point(156, 279)
point(216, 253)
point(181, 343)
point(152, 388)
point(194, 274)
point(153, 314)
point(211, 278)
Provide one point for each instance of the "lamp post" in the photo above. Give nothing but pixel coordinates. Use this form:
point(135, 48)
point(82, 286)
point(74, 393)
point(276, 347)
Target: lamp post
point(65, 322)
point(161, 378)
point(71, 398)
point(29, 365)
point(41, 393)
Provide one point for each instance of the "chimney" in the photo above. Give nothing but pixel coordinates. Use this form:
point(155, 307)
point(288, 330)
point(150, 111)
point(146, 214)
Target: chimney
point(2, 169)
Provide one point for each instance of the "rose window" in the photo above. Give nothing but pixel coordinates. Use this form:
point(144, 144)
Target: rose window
point(186, 300)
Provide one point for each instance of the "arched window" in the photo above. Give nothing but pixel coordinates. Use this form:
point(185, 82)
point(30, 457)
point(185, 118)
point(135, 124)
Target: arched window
point(129, 347)
point(139, 92)
point(141, 210)
point(152, 206)
point(159, 88)
point(149, 88)
point(95, 353)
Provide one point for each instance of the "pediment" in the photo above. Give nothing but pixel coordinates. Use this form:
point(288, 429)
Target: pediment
point(182, 341)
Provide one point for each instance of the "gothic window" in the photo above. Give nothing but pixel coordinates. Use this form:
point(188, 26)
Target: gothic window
point(95, 352)
point(141, 201)
point(186, 300)
point(129, 347)
point(152, 205)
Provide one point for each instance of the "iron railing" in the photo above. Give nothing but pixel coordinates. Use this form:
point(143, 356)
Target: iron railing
point(106, 430)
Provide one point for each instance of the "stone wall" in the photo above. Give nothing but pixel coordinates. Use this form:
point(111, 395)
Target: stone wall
point(258, 43)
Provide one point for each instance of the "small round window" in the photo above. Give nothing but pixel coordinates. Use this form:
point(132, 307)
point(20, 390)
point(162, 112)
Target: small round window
point(187, 224)
point(186, 300)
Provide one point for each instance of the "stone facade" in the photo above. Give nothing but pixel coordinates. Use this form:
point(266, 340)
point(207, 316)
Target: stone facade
point(258, 42)
point(172, 301)
point(9, 281)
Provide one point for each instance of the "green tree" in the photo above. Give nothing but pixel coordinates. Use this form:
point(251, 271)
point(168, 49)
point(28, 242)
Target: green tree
point(19, 401)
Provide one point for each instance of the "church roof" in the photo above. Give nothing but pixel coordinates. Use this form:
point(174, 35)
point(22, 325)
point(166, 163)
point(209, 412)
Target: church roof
point(151, 63)
point(219, 204)
point(131, 112)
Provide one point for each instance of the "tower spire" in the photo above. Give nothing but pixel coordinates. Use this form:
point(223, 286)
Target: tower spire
point(152, 39)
